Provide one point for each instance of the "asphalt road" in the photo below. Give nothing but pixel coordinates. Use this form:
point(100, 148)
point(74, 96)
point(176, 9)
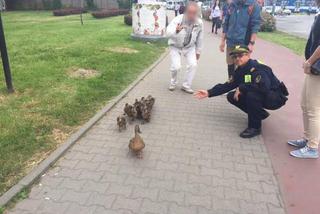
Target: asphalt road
point(298, 25)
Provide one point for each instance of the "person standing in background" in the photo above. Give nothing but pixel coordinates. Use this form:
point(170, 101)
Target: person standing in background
point(240, 27)
point(176, 9)
point(216, 17)
point(310, 102)
point(181, 8)
point(225, 9)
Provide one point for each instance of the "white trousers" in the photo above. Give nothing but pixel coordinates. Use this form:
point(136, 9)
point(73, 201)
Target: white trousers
point(190, 55)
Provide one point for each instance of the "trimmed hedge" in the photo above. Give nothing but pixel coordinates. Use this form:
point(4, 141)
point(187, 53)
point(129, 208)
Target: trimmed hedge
point(128, 19)
point(268, 22)
point(68, 11)
point(109, 13)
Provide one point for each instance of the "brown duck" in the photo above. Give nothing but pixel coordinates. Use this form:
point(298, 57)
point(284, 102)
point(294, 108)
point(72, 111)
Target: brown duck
point(136, 144)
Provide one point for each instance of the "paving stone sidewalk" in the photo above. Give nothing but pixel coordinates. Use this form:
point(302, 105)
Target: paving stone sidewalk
point(194, 162)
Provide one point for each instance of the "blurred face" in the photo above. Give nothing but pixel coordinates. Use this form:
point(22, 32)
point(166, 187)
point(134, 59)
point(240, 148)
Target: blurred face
point(192, 13)
point(241, 59)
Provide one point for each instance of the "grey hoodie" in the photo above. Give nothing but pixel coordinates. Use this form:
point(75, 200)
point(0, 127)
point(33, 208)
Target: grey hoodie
point(190, 36)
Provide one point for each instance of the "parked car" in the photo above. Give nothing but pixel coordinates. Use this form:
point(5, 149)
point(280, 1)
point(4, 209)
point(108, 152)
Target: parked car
point(291, 8)
point(314, 10)
point(277, 10)
point(268, 9)
point(206, 5)
point(307, 9)
point(297, 10)
point(286, 12)
point(170, 5)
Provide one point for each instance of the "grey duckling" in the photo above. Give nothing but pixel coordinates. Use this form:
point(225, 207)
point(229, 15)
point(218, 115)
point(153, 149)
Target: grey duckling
point(138, 107)
point(146, 113)
point(122, 122)
point(150, 101)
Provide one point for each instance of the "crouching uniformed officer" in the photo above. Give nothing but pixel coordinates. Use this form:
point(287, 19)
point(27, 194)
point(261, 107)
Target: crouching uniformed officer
point(257, 89)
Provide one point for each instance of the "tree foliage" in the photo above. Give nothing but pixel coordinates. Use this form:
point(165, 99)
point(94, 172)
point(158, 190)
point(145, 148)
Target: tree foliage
point(90, 4)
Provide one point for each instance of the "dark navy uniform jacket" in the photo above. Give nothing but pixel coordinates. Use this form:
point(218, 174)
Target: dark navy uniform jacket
point(254, 77)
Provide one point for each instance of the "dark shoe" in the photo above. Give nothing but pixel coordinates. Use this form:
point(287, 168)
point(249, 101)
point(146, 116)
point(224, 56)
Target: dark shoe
point(250, 132)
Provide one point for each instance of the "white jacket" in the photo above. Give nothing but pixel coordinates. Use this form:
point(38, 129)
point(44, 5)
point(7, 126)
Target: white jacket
point(177, 39)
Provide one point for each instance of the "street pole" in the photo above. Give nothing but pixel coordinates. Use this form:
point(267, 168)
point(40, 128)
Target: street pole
point(5, 59)
point(81, 18)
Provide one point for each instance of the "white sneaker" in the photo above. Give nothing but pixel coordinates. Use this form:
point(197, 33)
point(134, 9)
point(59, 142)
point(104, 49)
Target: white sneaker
point(187, 90)
point(172, 87)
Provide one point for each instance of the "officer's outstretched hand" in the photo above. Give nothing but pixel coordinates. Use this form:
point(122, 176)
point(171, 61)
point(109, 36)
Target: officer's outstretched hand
point(201, 94)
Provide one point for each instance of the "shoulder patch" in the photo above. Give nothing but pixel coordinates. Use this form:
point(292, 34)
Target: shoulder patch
point(258, 79)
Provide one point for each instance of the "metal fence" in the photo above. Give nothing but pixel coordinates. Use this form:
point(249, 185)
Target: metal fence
point(45, 4)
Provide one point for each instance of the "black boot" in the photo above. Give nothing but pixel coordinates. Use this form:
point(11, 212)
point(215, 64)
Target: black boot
point(231, 69)
point(250, 133)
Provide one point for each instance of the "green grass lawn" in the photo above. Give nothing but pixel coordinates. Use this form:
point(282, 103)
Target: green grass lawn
point(296, 44)
point(49, 104)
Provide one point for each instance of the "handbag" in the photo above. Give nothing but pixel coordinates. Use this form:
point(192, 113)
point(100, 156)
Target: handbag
point(315, 68)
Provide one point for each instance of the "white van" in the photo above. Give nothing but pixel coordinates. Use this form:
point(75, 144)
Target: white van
point(171, 4)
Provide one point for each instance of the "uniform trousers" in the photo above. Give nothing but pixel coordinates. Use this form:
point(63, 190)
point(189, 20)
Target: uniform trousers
point(254, 104)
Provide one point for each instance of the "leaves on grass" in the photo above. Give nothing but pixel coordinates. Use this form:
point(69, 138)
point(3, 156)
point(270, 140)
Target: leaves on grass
point(83, 73)
point(121, 50)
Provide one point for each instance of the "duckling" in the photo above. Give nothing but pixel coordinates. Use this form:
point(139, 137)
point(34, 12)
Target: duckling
point(150, 101)
point(146, 113)
point(130, 111)
point(122, 122)
point(138, 105)
point(136, 144)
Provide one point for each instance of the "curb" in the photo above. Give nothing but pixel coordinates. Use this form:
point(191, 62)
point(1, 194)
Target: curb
point(36, 173)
